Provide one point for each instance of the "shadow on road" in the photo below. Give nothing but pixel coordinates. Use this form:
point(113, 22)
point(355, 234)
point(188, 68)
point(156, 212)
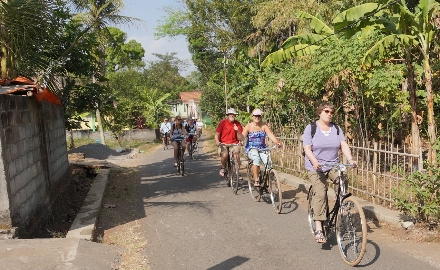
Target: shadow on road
point(230, 263)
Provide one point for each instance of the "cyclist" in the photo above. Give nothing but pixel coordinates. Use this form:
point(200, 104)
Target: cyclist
point(191, 128)
point(199, 125)
point(323, 147)
point(256, 132)
point(165, 128)
point(228, 132)
point(177, 132)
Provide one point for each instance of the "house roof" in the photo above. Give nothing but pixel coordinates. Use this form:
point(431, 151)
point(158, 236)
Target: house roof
point(186, 96)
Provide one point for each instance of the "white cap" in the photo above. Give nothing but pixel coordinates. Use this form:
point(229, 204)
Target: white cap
point(231, 111)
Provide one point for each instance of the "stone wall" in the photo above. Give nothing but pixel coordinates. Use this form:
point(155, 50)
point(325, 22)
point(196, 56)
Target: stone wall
point(33, 161)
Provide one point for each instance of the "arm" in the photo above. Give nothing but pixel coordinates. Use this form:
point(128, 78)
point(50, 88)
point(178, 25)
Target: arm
point(245, 131)
point(311, 156)
point(271, 135)
point(216, 138)
point(347, 152)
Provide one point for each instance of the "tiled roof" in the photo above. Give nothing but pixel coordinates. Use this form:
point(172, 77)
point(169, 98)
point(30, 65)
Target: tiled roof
point(186, 96)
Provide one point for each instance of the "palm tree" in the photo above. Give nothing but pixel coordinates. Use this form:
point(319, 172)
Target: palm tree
point(23, 35)
point(97, 15)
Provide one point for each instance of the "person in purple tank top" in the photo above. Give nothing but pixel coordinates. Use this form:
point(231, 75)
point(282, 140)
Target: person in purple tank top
point(256, 132)
point(321, 148)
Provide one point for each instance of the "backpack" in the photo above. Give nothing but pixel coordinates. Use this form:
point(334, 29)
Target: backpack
point(313, 131)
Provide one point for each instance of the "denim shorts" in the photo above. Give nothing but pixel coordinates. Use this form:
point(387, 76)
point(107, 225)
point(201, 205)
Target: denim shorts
point(257, 157)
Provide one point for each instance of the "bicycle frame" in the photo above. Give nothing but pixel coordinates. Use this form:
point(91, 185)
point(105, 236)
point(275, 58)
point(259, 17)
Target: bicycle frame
point(340, 196)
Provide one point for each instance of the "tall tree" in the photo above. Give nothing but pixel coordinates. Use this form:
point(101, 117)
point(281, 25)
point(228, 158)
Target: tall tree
point(97, 15)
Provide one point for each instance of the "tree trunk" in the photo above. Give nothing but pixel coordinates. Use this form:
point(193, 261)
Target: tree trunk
point(415, 134)
point(101, 126)
point(432, 155)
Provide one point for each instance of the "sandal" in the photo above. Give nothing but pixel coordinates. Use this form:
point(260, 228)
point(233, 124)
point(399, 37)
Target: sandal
point(222, 172)
point(256, 183)
point(319, 237)
point(240, 178)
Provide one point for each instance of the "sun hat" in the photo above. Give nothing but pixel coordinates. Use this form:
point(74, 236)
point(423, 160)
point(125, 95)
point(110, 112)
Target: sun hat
point(231, 111)
point(257, 112)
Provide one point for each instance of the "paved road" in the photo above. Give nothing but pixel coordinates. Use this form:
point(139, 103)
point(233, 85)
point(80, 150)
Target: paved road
point(196, 222)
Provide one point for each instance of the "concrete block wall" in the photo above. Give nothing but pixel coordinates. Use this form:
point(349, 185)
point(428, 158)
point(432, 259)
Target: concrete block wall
point(33, 158)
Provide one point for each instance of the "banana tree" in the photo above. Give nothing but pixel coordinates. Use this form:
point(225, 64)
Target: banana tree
point(306, 44)
point(407, 31)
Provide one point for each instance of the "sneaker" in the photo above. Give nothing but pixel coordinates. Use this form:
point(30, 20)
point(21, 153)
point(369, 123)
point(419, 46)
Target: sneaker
point(222, 172)
point(175, 164)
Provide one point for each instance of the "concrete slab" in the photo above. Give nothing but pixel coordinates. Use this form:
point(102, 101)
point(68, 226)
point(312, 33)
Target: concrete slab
point(84, 223)
point(57, 253)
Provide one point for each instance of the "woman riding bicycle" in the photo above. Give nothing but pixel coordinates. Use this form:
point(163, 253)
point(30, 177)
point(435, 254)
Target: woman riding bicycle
point(256, 132)
point(323, 147)
point(177, 133)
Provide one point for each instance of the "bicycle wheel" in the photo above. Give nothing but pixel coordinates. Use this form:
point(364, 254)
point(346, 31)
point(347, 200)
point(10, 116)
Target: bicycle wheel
point(253, 190)
point(351, 231)
point(182, 163)
point(178, 159)
point(165, 143)
point(310, 211)
point(233, 177)
point(195, 151)
point(276, 194)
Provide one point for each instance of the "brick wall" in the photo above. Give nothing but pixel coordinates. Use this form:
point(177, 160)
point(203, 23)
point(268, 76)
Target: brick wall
point(33, 161)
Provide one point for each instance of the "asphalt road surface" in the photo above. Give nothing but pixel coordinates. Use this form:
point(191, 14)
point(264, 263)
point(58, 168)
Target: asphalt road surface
point(196, 222)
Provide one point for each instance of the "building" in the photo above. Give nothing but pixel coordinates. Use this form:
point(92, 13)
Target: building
point(188, 105)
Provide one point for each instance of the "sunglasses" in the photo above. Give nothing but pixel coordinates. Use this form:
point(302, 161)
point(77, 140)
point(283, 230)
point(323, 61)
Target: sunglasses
point(329, 112)
point(258, 116)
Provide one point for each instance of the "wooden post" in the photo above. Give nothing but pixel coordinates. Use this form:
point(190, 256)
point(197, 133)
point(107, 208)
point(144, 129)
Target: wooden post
point(374, 171)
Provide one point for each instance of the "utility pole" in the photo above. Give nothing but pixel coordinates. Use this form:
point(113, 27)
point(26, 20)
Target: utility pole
point(224, 75)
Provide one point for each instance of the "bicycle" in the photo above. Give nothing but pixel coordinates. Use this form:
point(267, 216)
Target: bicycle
point(231, 171)
point(180, 157)
point(346, 219)
point(166, 140)
point(193, 149)
point(268, 180)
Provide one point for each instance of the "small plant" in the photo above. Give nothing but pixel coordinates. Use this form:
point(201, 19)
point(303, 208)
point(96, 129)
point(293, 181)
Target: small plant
point(419, 194)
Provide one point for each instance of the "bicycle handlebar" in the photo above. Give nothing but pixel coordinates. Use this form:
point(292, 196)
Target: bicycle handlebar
point(338, 166)
point(230, 144)
point(265, 149)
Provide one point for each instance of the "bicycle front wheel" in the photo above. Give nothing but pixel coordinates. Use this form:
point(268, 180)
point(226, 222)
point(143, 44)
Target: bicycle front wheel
point(310, 214)
point(253, 190)
point(195, 151)
point(351, 231)
point(233, 176)
point(276, 194)
point(182, 163)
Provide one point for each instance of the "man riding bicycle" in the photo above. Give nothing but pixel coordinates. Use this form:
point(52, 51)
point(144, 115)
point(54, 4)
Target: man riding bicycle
point(192, 135)
point(228, 132)
point(165, 128)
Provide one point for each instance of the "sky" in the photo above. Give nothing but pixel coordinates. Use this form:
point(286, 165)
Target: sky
point(151, 12)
